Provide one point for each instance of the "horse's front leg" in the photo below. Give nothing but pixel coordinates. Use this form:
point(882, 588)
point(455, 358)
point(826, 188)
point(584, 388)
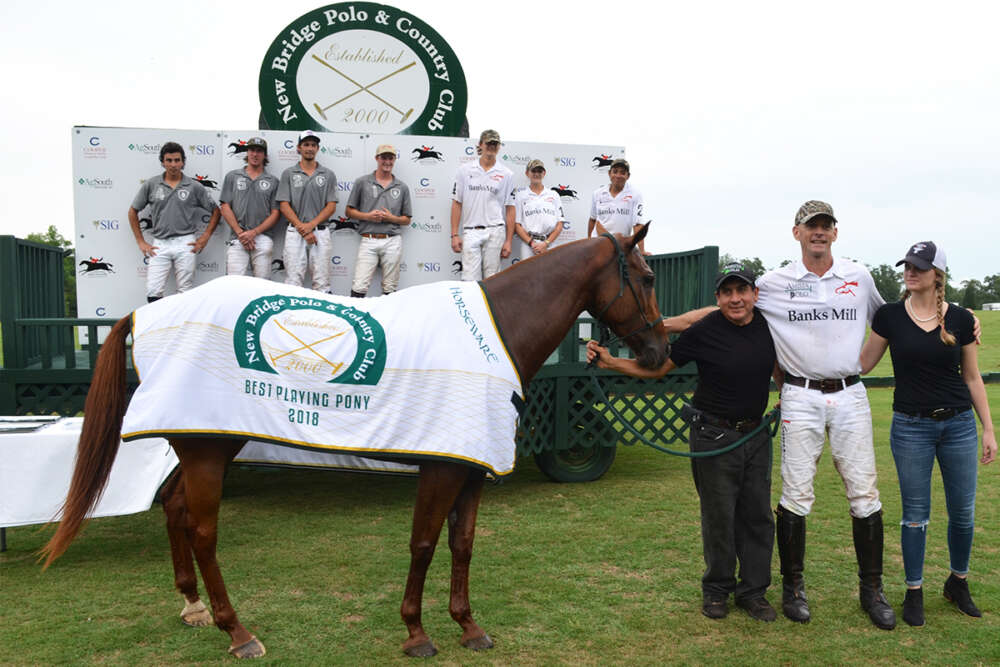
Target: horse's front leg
point(461, 533)
point(203, 464)
point(439, 486)
point(194, 613)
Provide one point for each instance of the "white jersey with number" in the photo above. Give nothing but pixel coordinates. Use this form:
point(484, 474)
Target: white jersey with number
point(538, 213)
point(819, 323)
point(483, 194)
point(618, 214)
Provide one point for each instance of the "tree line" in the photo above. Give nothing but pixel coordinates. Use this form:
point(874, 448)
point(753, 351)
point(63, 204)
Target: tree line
point(889, 282)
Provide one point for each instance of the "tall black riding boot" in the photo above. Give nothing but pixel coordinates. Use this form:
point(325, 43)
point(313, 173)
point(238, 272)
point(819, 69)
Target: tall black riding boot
point(792, 552)
point(868, 543)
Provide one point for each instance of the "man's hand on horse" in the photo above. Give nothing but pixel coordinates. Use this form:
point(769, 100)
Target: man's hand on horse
point(596, 351)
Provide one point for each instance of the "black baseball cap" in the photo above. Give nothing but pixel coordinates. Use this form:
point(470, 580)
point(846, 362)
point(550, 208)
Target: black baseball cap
point(734, 270)
point(925, 255)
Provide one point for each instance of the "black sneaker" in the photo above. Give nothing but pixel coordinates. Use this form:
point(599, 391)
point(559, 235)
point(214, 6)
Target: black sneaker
point(913, 607)
point(714, 608)
point(956, 590)
point(758, 608)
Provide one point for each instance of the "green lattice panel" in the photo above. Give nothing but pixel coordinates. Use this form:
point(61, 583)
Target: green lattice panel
point(65, 399)
point(536, 427)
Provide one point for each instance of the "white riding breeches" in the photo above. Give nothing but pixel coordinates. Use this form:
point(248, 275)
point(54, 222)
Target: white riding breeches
point(177, 252)
point(481, 251)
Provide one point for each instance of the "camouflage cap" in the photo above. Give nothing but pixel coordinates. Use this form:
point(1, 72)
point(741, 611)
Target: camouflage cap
point(535, 164)
point(620, 162)
point(811, 209)
point(488, 136)
point(257, 142)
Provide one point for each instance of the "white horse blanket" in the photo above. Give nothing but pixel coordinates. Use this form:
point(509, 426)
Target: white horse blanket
point(422, 373)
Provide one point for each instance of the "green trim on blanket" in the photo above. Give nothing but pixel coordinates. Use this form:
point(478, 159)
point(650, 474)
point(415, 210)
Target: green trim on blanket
point(503, 340)
point(401, 456)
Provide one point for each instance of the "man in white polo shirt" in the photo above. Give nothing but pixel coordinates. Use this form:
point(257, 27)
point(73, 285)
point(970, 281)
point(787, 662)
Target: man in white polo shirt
point(617, 205)
point(817, 309)
point(482, 211)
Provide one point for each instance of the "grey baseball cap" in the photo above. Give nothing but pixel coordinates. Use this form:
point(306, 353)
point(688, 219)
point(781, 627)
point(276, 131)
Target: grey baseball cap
point(925, 255)
point(257, 142)
point(535, 164)
point(308, 134)
point(488, 136)
point(812, 209)
point(734, 270)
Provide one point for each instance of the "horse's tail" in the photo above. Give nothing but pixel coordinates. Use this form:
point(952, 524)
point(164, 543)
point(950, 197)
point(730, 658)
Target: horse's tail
point(99, 439)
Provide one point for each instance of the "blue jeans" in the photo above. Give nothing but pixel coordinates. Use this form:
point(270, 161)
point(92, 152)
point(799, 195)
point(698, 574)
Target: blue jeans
point(916, 441)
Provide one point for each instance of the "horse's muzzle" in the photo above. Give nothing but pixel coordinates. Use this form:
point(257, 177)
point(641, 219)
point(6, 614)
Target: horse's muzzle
point(653, 356)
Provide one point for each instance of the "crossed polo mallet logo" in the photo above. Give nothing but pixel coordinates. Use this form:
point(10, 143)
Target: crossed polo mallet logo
point(363, 89)
point(308, 346)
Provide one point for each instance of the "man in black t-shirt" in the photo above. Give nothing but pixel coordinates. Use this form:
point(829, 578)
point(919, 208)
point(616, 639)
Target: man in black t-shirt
point(735, 356)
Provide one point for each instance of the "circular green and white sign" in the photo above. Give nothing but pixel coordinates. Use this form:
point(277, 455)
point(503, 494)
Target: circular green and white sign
point(362, 68)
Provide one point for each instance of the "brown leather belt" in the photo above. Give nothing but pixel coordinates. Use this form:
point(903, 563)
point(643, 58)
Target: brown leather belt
point(827, 386)
point(376, 236)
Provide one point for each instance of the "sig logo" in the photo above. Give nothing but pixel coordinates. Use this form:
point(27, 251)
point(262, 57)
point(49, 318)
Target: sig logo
point(564, 161)
point(429, 267)
point(202, 149)
point(345, 186)
point(106, 224)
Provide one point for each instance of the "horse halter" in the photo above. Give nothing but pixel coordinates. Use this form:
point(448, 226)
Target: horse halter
point(605, 338)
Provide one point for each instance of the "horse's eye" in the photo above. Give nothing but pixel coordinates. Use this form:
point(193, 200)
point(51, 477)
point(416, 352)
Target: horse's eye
point(648, 280)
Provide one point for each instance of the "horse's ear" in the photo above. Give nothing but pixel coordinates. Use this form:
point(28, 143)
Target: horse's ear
point(633, 241)
point(599, 228)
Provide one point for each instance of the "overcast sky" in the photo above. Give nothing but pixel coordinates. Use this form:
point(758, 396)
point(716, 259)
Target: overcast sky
point(732, 113)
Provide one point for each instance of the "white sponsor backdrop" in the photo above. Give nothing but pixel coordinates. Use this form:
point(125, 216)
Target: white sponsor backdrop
point(109, 164)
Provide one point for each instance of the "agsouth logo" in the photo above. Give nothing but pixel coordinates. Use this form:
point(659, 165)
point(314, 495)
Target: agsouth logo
point(310, 339)
point(146, 149)
point(601, 161)
point(201, 149)
point(97, 183)
point(96, 264)
point(564, 191)
point(337, 151)
point(846, 288)
point(516, 159)
point(206, 181)
point(426, 226)
point(106, 224)
point(426, 154)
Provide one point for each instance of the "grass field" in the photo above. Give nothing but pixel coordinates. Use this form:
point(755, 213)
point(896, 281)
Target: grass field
point(988, 352)
point(583, 574)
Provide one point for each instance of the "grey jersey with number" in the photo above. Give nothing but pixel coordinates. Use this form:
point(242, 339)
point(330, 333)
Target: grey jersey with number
point(252, 200)
point(176, 211)
point(367, 195)
point(307, 195)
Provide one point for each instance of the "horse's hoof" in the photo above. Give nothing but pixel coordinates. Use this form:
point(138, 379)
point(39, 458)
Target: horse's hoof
point(480, 643)
point(196, 615)
point(252, 649)
point(425, 650)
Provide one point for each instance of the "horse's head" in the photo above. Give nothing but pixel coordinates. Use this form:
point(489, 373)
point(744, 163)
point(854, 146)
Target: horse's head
point(624, 300)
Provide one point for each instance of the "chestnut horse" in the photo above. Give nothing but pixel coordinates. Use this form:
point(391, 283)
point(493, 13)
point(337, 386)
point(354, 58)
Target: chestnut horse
point(534, 303)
